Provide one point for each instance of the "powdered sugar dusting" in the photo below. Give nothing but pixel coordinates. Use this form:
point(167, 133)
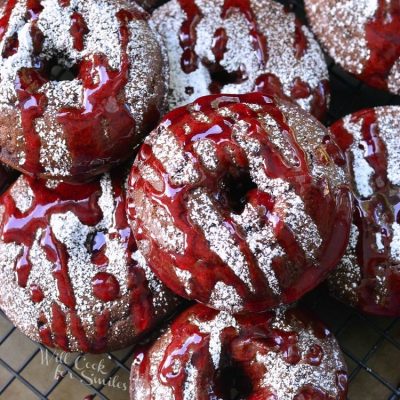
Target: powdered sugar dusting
point(207, 153)
point(185, 278)
point(159, 224)
point(340, 25)
point(362, 171)
point(262, 243)
point(175, 161)
point(22, 194)
point(394, 78)
point(205, 215)
point(388, 121)
point(226, 297)
point(395, 243)
point(347, 276)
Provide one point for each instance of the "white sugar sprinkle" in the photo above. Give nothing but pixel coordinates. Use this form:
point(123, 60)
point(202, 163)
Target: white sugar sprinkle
point(361, 169)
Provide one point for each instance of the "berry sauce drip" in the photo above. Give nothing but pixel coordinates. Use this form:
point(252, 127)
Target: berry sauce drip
point(383, 38)
point(188, 36)
point(81, 200)
point(105, 286)
point(239, 370)
point(333, 226)
point(78, 30)
point(373, 215)
point(11, 46)
point(36, 293)
point(4, 20)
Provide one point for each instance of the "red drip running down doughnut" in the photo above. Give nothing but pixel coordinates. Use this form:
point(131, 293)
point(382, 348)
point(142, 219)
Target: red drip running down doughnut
point(240, 202)
point(241, 46)
point(71, 275)
point(207, 355)
point(81, 83)
point(363, 36)
point(368, 277)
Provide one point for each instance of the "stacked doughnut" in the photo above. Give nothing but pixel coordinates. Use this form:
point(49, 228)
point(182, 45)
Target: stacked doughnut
point(239, 199)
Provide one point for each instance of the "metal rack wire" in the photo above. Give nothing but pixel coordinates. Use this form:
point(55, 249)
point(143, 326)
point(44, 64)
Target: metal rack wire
point(371, 345)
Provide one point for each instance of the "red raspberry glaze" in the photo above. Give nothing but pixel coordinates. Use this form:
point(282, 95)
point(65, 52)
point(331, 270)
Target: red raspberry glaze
point(207, 354)
point(369, 275)
point(81, 303)
point(237, 213)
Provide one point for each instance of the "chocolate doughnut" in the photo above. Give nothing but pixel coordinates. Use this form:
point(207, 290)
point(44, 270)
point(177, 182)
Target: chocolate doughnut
point(368, 276)
point(240, 202)
point(81, 83)
point(207, 355)
point(231, 46)
point(363, 36)
point(71, 275)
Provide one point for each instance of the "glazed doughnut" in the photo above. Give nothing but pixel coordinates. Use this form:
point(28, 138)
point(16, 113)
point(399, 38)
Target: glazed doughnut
point(363, 36)
point(79, 123)
point(240, 202)
point(368, 277)
point(231, 46)
point(206, 354)
point(71, 275)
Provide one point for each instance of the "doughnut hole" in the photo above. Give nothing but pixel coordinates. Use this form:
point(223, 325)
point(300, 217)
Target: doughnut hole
point(220, 77)
point(234, 188)
point(232, 382)
point(58, 70)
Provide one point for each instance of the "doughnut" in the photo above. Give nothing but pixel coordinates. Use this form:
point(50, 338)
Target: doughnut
point(81, 83)
point(207, 355)
point(240, 202)
point(368, 277)
point(71, 275)
point(231, 46)
point(363, 36)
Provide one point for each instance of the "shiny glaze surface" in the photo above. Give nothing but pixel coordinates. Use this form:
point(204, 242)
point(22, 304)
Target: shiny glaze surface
point(328, 208)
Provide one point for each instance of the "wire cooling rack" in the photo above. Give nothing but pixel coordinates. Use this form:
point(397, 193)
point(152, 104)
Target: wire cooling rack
point(371, 345)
